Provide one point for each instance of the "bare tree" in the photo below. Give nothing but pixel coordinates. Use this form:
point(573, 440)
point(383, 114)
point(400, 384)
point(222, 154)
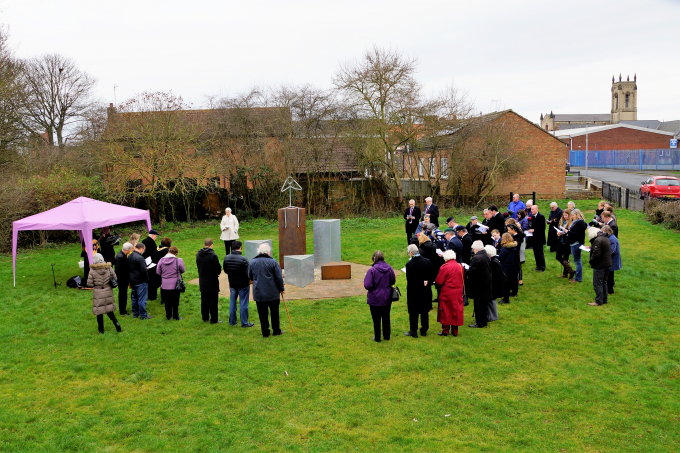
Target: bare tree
point(12, 131)
point(391, 110)
point(56, 95)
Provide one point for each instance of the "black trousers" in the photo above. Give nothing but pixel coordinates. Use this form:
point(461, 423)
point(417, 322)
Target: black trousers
point(610, 282)
point(482, 311)
point(263, 309)
point(381, 315)
point(600, 285)
point(539, 256)
point(153, 285)
point(122, 296)
point(227, 246)
point(100, 321)
point(563, 252)
point(424, 322)
point(209, 307)
point(508, 284)
point(409, 235)
point(171, 298)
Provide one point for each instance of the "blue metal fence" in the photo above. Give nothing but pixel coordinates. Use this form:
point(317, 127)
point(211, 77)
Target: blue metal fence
point(629, 159)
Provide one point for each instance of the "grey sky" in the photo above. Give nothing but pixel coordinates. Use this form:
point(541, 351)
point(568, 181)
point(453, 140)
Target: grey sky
point(531, 56)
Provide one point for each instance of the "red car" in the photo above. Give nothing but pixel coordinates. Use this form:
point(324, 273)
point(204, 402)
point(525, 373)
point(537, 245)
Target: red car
point(660, 187)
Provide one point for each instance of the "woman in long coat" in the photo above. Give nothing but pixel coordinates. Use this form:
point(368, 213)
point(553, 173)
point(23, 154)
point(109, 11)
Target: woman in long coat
point(418, 292)
point(553, 220)
point(229, 226)
point(102, 293)
point(451, 283)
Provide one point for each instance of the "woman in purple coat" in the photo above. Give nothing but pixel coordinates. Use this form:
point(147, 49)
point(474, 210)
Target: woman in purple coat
point(378, 281)
point(170, 268)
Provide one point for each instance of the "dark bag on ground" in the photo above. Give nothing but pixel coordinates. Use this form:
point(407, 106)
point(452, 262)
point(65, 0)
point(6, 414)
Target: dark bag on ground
point(74, 282)
point(395, 294)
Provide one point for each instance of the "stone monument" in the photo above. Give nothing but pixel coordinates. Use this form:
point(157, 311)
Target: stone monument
point(292, 229)
point(299, 270)
point(250, 247)
point(326, 242)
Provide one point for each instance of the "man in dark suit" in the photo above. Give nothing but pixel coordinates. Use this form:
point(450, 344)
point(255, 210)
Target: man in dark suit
point(538, 231)
point(209, 269)
point(466, 240)
point(411, 216)
point(150, 251)
point(433, 210)
point(418, 292)
point(553, 221)
point(479, 284)
point(607, 219)
point(453, 243)
point(496, 221)
point(123, 274)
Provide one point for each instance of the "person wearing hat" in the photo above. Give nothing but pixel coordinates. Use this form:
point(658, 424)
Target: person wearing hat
point(473, 228)
point(150, 251)
point(453, 243)
point(451, 222)
point(411, 216)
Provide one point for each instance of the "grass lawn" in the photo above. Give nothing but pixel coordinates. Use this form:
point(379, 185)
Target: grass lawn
point(552, 374)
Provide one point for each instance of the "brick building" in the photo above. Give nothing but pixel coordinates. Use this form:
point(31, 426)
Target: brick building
point(616, 137)
point(543, 155)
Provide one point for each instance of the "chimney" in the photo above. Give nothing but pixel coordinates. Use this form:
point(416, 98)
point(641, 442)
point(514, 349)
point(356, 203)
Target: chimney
point(110, 111)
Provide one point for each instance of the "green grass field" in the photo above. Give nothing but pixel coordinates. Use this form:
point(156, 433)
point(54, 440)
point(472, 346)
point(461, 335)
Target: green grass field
point(552, 374)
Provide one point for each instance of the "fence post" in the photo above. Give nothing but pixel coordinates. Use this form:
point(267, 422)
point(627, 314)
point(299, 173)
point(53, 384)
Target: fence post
point(627, 196)
point(614, 158)
point(511, 194)
point(640, 159)
point(534, 195)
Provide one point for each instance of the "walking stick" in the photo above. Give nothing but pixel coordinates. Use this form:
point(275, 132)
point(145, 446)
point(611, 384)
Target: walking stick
point(291, 322)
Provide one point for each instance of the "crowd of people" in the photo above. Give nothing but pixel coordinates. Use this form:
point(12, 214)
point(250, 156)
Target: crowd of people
point(483, 261)
point(143, 267)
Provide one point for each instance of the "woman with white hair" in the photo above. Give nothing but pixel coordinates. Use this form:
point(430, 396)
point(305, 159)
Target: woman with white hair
point(478, 284)
point(103, 301)
point(451, 283)
point(496, 281)
point(229, 227)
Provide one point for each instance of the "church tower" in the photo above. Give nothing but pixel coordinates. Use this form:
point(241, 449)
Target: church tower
point(624, 99)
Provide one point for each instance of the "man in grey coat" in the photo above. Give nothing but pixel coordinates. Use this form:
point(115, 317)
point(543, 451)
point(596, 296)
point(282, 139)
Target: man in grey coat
point(265, 273)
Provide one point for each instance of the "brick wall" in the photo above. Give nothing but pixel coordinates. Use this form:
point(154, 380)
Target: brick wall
point(621, 138)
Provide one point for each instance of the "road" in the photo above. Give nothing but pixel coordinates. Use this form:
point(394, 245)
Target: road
point(628, 179)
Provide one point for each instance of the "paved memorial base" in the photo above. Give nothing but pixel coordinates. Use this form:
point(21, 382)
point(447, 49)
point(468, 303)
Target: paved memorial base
point(319, 289)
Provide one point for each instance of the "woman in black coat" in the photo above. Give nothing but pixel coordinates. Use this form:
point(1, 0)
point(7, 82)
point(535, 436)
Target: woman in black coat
point(479, 283)
point(418, 292)
point(553, 220)
point(518, 237)
point(428, 250)
point(497, 283)
point(508, 259)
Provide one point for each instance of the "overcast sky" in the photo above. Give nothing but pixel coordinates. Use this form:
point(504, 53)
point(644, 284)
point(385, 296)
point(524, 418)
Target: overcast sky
point(530, 56)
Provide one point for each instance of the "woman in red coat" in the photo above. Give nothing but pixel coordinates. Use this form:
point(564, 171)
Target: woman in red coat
point(450, 280)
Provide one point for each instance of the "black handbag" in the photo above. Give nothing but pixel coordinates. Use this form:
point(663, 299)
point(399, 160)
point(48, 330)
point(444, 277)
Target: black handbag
point(395, 294)
point(112, 280)
point(179, 286)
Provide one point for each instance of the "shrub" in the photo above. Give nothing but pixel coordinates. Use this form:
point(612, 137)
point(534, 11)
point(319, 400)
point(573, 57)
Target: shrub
point(666, 212)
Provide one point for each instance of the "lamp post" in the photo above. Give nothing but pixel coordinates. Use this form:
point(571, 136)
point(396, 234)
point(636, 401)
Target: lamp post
point(586, 150)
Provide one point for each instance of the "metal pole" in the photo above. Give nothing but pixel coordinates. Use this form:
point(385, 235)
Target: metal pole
point(586, 150)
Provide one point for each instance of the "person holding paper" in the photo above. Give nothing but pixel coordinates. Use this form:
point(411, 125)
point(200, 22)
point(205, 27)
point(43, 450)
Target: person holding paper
point(479, 284)
point(600, 260)
point(553, 220)
point(411, 216)
point(466, 240)
point(433, 210)
point(418, 290)
point(139, 279)
point(563, 249)
point(428, 249)
point(496, 222)
point(229, 227)
point(577, 237)
point(150, 252)
point(453, 243)
point(538, 232)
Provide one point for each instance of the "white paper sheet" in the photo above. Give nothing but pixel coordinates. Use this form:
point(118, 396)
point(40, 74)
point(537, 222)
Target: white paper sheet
point(583, 247)
point(483, 228)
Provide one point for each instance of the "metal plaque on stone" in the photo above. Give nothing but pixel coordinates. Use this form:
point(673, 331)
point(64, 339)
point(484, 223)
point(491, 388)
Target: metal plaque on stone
point(326, 241)
point(299, 270)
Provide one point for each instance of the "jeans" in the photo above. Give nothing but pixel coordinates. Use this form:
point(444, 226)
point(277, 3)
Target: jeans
point(576, 253)
point(242, 294)
point(138, 297)
point(600, 285)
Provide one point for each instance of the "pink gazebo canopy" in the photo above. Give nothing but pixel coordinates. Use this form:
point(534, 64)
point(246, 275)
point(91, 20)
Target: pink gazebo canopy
point(82, 214)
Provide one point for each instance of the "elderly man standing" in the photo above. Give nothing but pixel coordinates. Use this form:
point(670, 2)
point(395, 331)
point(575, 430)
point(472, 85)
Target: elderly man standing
point(553, 222)
point(209, 269)
point(418, 292)
point(123, 274)
point(479, 284)
point(538, 231)
point(453, 243)
point(515, 205)
point(433, 210)
point(411, 216)
point(600, 260)
point(139, 279)
point(265, 273)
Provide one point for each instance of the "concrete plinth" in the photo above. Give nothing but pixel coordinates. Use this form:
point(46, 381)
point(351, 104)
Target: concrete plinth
point(250, 247)
point(299, 270)
point(292, 233)
point(326, 241)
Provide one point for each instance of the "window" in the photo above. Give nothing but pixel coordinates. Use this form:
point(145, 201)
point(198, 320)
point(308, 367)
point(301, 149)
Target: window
point(433, 174)
point(444, 166)
point(617, 101)
point(627, 98)
point(421, 167)
point(667, 182)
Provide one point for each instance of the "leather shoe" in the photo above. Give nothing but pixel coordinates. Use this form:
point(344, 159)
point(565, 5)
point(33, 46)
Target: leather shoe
point(475, 326)
point(148, 317)
point(377, 341)
point(423, 334)
point(250, 324)
point(280, 333)
point(442, 334)
point(411, 334)
point(216, 322)
point(177, 319)
point(540, 270)
point(513, 295)
point(594, 304)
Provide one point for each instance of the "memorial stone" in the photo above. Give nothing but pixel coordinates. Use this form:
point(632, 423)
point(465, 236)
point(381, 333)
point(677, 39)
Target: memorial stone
point(292, 233)
point(326, 241)
point(299, 270)
point(250, 247)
